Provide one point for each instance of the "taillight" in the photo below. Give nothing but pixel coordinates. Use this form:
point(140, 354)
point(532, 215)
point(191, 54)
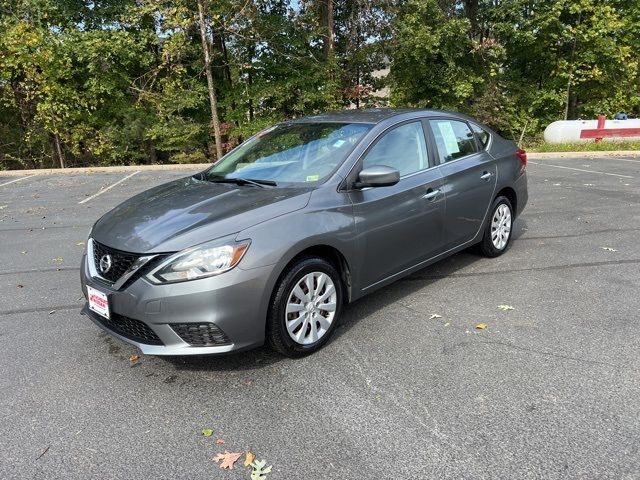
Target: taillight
point(522, 156)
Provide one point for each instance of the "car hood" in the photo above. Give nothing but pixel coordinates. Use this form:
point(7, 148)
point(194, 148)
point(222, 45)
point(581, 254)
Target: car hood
point(186, 212)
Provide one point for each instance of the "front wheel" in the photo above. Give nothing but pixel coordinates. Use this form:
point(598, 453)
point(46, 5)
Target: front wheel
point(497, 233)
point(305, 307)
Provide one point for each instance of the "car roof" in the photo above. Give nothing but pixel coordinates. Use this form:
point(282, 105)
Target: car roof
point(371, 115)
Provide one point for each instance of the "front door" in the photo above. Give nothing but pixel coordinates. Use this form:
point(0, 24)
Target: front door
point(401, 225)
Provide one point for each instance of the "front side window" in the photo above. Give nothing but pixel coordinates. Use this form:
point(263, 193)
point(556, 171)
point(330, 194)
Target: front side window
point(291, 153)
point(454, 139)
point(403, 148)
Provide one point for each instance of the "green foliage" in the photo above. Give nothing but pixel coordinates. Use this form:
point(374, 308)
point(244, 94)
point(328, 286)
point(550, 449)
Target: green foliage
point(122, 81)
point(591, 146)
point(511, 62)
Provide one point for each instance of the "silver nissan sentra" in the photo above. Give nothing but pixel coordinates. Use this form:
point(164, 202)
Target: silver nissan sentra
point(272, 241)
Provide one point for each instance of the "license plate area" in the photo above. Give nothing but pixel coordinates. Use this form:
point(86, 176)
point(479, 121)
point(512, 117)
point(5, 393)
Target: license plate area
point(98, 302)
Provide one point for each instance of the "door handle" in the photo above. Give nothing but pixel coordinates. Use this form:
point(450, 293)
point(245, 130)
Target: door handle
point(431, 194)
point(486, 175)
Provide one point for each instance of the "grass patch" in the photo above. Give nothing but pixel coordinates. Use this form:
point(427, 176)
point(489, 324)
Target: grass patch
point(590, 146)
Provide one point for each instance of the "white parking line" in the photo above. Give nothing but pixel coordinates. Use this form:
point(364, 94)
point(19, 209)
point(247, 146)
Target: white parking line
point(582, 170)
point(621, 159)
point(107, 188)
point(16, 180)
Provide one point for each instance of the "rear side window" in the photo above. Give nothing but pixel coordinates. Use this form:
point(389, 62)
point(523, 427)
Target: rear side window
point(454, 139)
point(481, 135)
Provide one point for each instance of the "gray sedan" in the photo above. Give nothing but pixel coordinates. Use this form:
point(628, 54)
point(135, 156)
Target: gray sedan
point(271, 242)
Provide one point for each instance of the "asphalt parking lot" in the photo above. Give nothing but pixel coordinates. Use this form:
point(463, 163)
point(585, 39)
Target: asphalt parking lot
point(550, 389)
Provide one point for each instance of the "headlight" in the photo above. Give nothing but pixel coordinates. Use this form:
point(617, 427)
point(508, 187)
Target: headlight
point(199, 262)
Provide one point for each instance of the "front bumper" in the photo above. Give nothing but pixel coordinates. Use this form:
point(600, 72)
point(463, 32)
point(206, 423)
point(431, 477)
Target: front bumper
point(234, 303)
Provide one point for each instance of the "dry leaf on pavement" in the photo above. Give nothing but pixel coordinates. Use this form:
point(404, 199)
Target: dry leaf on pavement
point(505, 308)
point(259, 471)
point(207, 432)
point(248, 459)
point(481, 326)
point(134, 358)
point(228, 459)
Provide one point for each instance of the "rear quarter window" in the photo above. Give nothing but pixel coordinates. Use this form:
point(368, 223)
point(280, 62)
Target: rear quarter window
point(481, 135)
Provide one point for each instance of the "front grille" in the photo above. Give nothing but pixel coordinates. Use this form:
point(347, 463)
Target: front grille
point(129, 328)
point(200, 334)
point(120, 261)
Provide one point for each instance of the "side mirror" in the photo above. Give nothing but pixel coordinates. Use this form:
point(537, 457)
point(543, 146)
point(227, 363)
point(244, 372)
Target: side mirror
point(377, 176)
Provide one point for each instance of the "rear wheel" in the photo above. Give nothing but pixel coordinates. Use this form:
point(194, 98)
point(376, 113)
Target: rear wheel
point(305, 307)
point(497, 233)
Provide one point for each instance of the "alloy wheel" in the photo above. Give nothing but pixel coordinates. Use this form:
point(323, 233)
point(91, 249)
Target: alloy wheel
point(311, 308)
point(501, 226)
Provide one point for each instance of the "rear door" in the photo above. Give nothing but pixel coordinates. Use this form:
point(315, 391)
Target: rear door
point(400, 225)
point(469, 178)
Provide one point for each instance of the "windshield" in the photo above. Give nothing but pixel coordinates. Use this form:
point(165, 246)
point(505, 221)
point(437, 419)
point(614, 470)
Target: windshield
point(291, 153)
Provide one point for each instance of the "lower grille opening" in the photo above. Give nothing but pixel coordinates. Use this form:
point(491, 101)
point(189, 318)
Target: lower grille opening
point(129, 328)
point(200, 334)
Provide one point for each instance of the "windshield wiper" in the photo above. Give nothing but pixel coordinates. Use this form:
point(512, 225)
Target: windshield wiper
point(244, 181)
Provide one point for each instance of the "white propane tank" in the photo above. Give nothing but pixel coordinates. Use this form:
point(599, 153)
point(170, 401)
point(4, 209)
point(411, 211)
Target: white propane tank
point(565, 131)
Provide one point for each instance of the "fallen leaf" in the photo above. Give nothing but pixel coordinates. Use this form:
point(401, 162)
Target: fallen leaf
point(228, 459)
point(481, 326)
point(609, 249)
point(207, 432)
point(134, 358)
point(434, 315)
point(219, 441)
point(505, 308)
point(249, 458)
point(259, 471)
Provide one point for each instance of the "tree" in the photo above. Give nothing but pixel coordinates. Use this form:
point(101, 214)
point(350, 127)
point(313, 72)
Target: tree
point(215, 121)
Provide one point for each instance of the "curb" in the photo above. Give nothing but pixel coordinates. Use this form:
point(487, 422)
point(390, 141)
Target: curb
point(201, 166)
point(120, 168)
point(619, 153)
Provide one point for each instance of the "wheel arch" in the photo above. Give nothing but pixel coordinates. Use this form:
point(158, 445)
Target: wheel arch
point(330, 253)
point(511, 195)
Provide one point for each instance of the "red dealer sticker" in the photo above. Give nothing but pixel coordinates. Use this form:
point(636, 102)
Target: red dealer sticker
point(98, 302)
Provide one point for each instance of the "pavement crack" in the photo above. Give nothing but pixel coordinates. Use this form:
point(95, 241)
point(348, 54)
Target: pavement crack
point(418, 278)
point(535, 351)
point(584, 234)
point(41, 309)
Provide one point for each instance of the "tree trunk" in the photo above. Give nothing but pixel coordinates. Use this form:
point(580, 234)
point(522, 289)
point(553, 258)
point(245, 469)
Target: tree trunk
point(56, 141)
point(213, 100)
point(326, 20)
point(471, 12)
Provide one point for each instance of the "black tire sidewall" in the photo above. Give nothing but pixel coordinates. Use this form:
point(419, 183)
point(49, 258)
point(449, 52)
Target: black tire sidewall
point(276, 328)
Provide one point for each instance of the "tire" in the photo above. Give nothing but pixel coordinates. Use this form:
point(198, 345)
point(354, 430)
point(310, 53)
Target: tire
point(291, 322)
point(493, 242)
